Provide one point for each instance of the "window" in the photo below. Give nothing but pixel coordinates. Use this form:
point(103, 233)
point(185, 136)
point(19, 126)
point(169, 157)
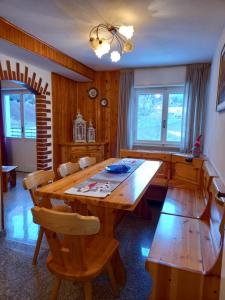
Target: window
point(19, 115)
point(159, 115)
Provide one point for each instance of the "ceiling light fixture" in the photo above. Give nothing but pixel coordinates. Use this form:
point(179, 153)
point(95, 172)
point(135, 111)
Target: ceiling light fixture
point(104, 38)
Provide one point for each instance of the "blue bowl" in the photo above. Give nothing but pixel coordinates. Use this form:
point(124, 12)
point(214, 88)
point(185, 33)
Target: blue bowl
point(117, 169)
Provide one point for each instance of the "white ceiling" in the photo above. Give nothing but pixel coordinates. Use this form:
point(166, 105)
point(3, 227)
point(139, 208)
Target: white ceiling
point(167, 32)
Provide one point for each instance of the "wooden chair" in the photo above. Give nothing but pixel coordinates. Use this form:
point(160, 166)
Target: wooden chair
point(77, 252)
point(31, 183)
point(87, 161)
point(68, 169)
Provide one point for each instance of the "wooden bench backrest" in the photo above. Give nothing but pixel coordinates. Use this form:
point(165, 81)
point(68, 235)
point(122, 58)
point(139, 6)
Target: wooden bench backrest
point(208, 173)
point(217, 219)
point(65, 235)
point(163, 172)
point(185, 171)
point(179, 169)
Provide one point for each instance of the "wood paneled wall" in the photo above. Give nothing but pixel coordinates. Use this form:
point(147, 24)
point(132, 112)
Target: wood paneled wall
point(105, 119)
point(64, 103)
point(68, 97)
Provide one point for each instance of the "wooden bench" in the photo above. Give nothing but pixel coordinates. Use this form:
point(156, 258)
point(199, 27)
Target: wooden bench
point(8, 176)
point(185, 171)
point(178, 170)
point(189, 202)
point(186, 253)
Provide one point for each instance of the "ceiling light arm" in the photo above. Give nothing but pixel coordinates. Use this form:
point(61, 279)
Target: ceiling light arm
point(95, 30)
point(119, 42)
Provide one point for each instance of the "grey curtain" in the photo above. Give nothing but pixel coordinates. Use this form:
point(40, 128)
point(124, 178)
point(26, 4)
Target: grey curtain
point(125, 128)
point(195, 94)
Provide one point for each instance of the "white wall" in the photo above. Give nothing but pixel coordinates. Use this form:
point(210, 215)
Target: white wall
point(159, 76)
point(214, 146)
point(22, 153)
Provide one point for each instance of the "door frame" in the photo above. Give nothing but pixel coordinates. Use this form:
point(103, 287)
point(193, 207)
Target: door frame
point(43, 110)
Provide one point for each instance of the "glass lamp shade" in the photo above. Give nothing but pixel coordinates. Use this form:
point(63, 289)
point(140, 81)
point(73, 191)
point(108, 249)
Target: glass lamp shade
point(94, 43)
point(128, 46)
point(126, 31)
point(102, 48)
point(115, 56)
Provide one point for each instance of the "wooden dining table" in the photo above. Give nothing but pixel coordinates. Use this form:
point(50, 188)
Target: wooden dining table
point(124, 198)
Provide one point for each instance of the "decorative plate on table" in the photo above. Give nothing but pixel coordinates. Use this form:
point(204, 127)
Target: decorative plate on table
point(117, 169)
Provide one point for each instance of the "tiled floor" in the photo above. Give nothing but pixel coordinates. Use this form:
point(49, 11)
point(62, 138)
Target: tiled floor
point(20, 280)
point(18, 219)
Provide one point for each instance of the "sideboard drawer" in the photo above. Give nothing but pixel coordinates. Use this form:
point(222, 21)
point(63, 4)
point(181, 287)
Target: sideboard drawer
point(72, 152)
point(78, 149)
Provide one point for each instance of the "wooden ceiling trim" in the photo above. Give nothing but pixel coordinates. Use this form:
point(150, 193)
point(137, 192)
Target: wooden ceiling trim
point(21, 38)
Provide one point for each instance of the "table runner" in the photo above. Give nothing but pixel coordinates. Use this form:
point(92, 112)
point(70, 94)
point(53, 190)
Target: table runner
point(103, 183)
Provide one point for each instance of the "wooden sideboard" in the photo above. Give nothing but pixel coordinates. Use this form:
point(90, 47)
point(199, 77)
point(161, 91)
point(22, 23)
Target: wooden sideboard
point(73, 151)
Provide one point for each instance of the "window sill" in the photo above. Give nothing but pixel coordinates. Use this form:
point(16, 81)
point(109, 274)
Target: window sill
point(170, 148)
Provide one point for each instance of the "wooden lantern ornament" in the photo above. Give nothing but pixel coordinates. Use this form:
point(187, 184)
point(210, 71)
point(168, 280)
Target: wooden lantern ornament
point(91, 133)
point(79, 129)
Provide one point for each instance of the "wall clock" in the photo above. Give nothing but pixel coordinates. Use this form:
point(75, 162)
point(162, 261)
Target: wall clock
point(104, 102)
point(92, 93)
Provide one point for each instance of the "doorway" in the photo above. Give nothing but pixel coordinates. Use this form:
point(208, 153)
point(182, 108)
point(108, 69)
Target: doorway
point(19, 119)
point(18, 110)
point(41, 152)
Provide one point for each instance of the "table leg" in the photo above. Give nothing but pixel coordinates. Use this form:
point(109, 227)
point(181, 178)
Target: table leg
point(46, 202)
point(4, 182)
point(12, 178)
point(79, 207)
point(109, 218)
point(118, 268)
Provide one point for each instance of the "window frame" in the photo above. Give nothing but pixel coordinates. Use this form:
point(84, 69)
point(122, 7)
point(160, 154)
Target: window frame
point(20, 92)
point(165, 91)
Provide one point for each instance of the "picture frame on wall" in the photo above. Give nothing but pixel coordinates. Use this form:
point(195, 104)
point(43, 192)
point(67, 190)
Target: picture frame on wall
point(220, 105)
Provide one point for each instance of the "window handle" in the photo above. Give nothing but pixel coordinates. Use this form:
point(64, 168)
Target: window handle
point(164, 123)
